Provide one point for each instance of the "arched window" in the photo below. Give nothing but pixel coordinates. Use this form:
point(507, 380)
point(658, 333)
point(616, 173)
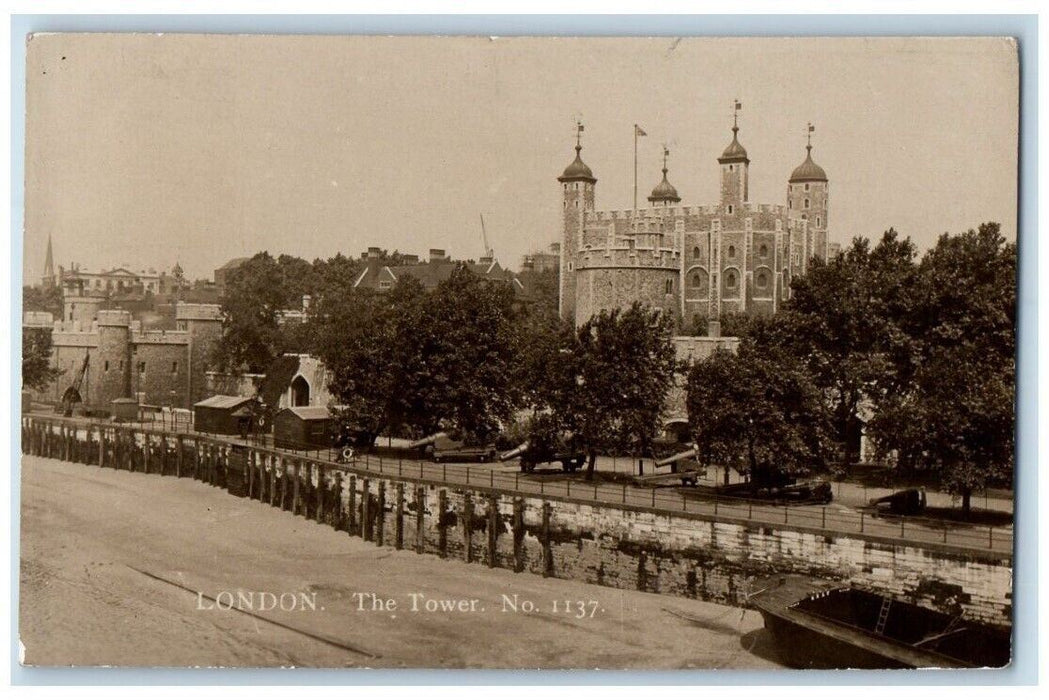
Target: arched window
point(695, 252)
point(730, 209)
point(731, 281)
point(806, 203)
point(763, 251)
point(761, 280)
point(818, 221)
point(732, 251)
point(698, 284)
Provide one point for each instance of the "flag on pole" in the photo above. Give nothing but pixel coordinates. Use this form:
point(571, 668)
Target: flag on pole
point(638, 131)
point(811, 128)
point(739, 105)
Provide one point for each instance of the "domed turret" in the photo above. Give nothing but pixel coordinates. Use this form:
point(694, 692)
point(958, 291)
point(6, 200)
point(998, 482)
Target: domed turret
point(577, 170)
point(808, 171)
point(735, 151)
point(664, 192)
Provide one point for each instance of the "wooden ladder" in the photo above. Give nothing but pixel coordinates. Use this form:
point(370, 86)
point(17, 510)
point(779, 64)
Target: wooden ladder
point(883, 615)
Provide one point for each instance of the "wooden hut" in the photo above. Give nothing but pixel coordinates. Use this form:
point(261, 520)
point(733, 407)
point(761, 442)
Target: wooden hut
point(225, 415)
point(303, 428)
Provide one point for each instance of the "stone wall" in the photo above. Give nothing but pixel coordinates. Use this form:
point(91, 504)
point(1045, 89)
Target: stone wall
point(690, 555)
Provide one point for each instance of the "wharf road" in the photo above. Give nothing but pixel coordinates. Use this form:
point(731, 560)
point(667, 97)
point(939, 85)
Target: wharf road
point(111, 563)
point(614, 488)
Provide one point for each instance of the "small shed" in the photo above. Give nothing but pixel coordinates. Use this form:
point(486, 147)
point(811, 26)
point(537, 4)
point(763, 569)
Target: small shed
point(303, 428)
point(125, 409)
point(225, 415)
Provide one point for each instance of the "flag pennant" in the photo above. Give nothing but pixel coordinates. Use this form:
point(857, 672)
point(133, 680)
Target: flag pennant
point(739, 105)
point(639, 131)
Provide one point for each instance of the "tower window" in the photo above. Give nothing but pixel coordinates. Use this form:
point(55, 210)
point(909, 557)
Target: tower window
point(695, 252)
point(762, 280)
point(806, 187)
point(670, 287)
point(790, 204)
point(763, 251)
point(732, 251)
point(570, 267)
point(730, 279)
point(106, 366)
point(731, 168)
point(730, 209)
point(174, 367)
point(806, 203)
point(818, 221)
point(141, 367)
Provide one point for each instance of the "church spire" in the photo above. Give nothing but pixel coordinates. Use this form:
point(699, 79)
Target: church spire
point(49, 265)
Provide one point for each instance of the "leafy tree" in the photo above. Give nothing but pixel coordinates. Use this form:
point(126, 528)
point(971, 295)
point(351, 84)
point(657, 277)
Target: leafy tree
point(845, 317)
point(608, 382)
point(42, 299)
point(37, 371)
point(251, 335)
point(469, 341)
point(757, 411)
point(956, 414)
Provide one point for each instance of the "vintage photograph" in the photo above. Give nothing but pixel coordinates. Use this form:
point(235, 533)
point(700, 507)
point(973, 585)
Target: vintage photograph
point(518, 353)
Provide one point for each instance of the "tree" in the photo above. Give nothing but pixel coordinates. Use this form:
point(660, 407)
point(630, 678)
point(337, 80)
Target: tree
point(43, 299)
point(469, 340)
point(759, 412)
point(251, 336)
point(956, 414)
point(608, 382)
point(845, 316)
point(37, 371)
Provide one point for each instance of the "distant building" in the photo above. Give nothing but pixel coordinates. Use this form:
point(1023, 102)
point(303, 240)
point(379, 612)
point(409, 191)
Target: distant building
point(438, 267)
point(698, 262)
point(222, 273)
point(543, 261)
point(124, 360)
point(117, 281)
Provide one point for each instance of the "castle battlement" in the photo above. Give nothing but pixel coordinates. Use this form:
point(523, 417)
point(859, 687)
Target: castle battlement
point(700, 261)
point(160, 337)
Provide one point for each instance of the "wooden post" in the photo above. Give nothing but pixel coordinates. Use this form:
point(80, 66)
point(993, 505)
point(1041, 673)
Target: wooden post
point(285, 501)
point(366, 511)
point(351, 506)
point(493, 524)
point(252, 455)
point(273, 460)
point(398, 540)
point(321, 486)
point(380, 515)
point(519, 533)
point(468, 527)
point(442, 528)
point(548, 554)
point(420, 519)
point(296, 503)
point(101, 446)
point(179, 456)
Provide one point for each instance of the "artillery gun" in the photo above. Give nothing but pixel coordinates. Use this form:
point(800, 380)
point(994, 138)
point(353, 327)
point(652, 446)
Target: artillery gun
point(441, 447)
point(683, 463)
point(71, 395)
point(531, 456)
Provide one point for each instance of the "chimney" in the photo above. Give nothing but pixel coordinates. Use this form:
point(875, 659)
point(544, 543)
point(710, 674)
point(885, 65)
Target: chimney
point(374, 252)
point(411, 259)
point(437, 254)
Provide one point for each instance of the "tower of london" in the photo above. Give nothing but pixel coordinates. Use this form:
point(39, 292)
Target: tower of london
point(699, 262)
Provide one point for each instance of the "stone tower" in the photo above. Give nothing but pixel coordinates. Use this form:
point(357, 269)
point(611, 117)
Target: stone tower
point(735, 166)
point(807, 193)
point(578, 184)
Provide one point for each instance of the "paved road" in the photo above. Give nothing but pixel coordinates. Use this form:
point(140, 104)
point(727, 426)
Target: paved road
point(112, 564)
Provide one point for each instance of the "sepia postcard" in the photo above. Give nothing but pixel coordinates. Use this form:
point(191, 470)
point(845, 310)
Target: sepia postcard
point(518, 353)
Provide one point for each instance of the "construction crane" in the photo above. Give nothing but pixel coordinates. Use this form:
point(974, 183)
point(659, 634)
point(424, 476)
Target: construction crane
point(72, 394)
point(488, 252)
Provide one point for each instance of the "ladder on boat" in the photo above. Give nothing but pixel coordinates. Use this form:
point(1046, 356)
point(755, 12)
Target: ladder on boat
point(883, 615)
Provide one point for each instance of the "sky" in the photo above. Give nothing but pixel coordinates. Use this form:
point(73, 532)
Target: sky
point(147, 150)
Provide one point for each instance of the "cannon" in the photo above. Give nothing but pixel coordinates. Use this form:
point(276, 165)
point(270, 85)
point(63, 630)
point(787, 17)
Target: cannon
point(442, 448)
point(531, 457)
point(905, 502)
point(684, 463)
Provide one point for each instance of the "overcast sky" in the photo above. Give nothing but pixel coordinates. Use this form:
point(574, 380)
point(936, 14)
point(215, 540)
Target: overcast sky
point(146, 150)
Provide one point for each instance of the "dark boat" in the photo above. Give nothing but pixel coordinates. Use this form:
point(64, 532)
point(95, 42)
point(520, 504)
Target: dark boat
point(816, 624)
